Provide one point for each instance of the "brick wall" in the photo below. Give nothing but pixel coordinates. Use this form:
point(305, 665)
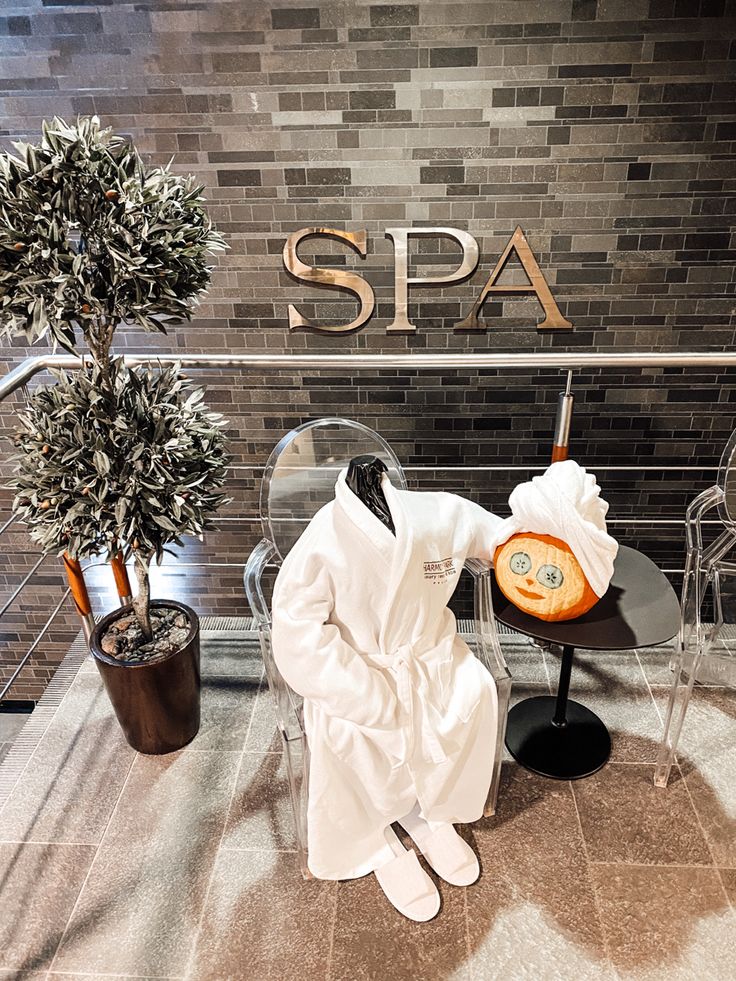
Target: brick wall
point(605, 129)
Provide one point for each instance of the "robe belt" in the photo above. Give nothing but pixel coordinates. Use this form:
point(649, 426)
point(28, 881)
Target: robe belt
point(408, 679)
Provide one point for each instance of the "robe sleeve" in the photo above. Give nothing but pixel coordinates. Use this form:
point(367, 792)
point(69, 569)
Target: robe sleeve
point(484, 530)
point(311, 654)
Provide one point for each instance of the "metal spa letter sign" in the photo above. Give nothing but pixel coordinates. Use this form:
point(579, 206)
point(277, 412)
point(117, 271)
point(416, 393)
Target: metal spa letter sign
point(343, 279)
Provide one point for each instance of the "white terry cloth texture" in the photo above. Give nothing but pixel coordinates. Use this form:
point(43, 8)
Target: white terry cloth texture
point(397, 709)
point(565, 502)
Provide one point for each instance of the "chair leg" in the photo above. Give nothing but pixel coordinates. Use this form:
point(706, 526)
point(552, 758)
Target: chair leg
point(296, 755)
point(503, 687)
point(682, 688)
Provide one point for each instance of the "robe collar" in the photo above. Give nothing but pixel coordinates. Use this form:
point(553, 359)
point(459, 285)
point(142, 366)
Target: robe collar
point(371, 526)
point(394, 550)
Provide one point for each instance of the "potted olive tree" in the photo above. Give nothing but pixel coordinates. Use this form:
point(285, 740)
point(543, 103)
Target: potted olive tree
point(113, 460)
point(135, 473)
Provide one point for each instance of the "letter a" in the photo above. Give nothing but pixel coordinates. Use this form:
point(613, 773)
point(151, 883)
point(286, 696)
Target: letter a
point(537, 284)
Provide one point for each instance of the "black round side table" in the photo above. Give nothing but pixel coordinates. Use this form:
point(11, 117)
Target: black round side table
point(554, 735)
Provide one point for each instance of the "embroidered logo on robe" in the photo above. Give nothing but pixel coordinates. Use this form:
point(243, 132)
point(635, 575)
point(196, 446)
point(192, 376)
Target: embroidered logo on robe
point(440, 570)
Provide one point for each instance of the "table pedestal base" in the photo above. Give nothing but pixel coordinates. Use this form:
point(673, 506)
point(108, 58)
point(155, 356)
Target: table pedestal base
point(577, 748)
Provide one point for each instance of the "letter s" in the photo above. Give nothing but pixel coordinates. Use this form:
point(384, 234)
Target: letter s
point(329, 278)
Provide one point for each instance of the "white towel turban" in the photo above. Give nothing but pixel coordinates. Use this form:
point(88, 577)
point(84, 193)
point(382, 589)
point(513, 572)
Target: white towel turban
point(565, 502)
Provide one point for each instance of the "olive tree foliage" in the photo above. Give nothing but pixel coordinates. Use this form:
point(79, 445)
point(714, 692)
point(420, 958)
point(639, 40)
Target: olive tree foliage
point(90, 238)
point(130, 471)
point(109, 459)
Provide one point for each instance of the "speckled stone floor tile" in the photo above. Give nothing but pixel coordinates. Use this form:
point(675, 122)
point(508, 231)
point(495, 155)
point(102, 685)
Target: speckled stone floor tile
point(261, 814)
point(181, 797)
point(13, 975)
point(372, 943)
point(625, 818)
point(530, 809)
point(231, 653)
point(262, 920)
point(226, 708)
point(525, 662)
point(666, 924)
point(10, 725)
point(532, 914)
point(74, 778)
point(536, 924)
point(728, 877)
point(140, 906)
point(263, 735)
point(39, 885)
point(655, 663)
point(708, 762)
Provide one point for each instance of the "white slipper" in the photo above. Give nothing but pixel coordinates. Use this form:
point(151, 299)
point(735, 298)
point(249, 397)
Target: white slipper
point(450, 856)
point(408, 887)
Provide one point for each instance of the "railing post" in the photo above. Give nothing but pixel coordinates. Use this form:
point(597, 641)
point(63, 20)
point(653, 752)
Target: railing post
point(79, 593)
point(561, 441)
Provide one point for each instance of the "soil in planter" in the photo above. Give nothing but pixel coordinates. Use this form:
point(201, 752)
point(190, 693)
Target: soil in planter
point(124, 640)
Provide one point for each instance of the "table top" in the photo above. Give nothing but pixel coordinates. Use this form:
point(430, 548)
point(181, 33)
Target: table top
point(640, 609)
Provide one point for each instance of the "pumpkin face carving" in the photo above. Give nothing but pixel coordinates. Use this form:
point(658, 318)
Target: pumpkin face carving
point(540, 575)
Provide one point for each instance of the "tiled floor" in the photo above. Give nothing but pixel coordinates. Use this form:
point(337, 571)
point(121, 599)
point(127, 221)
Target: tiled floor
point(183, 866)
point(10, 725)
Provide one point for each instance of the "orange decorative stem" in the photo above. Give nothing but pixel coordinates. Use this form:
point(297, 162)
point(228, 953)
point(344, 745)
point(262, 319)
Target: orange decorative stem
point(122, 583)
point(77, 584)
point(559, 453)
point(79, 593)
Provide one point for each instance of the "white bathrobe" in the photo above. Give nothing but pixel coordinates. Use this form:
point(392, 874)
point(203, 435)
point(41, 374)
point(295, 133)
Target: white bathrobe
point(396, 707)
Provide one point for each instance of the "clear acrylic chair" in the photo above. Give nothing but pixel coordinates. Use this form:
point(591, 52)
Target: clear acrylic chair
point(299, 479)
point(705, 649)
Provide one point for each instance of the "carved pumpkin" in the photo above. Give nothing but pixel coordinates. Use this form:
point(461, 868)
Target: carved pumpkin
point(540, 575)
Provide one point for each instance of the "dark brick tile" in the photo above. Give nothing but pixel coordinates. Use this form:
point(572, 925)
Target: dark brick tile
point(290, 101)
point(725, 131)
point(453, 57)
point(639, 171)
point(707, 240)
point(286, 19)
point(373, 100)
point(394, 15)
point(233, 62)
point(388, 58)
point(557, 135)
point(503, 97)
point(328, 175)
point(441, 175)
point(690, 50)
point(15, 26)
point(594, 71)
point(527, 95)
point(78, 23)
point(313, 101)
point(239, 178)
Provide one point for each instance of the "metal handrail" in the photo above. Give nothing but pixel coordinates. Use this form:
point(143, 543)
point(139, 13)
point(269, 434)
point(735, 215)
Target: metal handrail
point(27, 369)
point(431, 362)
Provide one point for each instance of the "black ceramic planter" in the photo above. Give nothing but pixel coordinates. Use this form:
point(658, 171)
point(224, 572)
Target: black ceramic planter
point(157, 703)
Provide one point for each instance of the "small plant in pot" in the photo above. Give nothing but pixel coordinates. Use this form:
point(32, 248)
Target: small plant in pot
point(133, 470)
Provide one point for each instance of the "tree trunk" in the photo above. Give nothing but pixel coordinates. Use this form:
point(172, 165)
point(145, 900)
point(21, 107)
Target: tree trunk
point(142, 599)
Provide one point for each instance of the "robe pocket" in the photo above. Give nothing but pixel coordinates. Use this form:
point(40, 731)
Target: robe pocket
point(361, 746)
point(461, 686)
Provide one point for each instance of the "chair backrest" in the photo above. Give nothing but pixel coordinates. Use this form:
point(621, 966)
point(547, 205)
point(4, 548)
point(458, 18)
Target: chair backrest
point(301, 472)
point(727, 483)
